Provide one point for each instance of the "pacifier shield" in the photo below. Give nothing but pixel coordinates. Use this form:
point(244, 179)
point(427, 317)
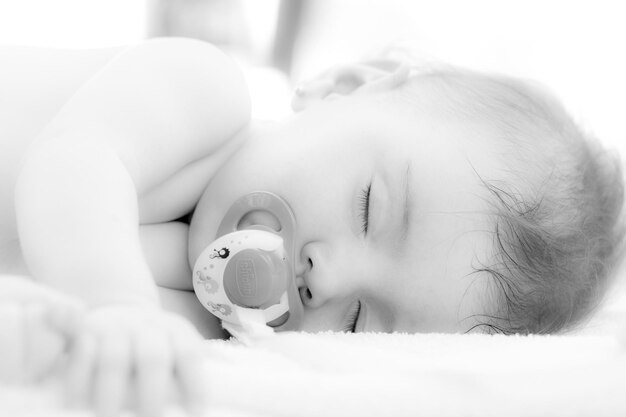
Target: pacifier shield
point(248, 271)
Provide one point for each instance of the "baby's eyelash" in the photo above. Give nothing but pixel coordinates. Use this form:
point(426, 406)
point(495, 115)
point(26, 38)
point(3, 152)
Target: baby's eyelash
point(364, 201)
point(350, 327)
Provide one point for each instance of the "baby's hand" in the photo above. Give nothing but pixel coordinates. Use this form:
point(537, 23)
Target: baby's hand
point(147, 352)
point(36, 325)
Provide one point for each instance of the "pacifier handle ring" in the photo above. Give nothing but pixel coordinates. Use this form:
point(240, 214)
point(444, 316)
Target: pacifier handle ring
point(261, 200)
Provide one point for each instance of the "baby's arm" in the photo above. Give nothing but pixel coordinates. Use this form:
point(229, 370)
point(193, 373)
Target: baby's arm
point(154, 110)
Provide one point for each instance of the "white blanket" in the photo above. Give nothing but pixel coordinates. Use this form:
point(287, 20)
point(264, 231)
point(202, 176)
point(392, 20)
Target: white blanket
point(335, 374)
point(395, 375)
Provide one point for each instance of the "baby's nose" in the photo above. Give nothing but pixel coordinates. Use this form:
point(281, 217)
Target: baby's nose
point(324, 275)
point(304, 280)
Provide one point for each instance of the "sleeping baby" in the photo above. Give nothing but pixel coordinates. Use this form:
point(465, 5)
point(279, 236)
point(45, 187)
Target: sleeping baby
point(431, 199)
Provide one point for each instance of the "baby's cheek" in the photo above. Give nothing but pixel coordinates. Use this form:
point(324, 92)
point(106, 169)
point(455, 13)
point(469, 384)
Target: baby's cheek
point(197, 242)
point(201, 230)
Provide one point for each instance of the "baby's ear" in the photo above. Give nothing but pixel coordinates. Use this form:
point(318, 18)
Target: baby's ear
point(368, 76)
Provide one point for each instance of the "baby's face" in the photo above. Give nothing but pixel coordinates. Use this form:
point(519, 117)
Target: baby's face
point(389, 212)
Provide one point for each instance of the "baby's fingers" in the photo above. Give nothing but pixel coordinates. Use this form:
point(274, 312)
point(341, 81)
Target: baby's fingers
point(66, 317)
point(112, 375)
point(154, 371)
point(190, 372)
point(11, 343)
point(310, 92)
point(80, 371)
point(43, 346)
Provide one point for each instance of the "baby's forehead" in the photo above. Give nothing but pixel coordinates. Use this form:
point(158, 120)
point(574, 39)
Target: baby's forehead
point(439, 272)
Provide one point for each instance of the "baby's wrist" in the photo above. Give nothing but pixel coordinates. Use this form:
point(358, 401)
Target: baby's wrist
point(135, 288)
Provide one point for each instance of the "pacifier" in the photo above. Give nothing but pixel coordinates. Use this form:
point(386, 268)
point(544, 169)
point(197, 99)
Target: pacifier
point(247, 275)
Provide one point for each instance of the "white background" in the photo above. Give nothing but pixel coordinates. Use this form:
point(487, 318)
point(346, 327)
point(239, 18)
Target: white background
point(575, 47)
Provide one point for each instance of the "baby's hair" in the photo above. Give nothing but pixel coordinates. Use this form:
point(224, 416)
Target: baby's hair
point(557, 232)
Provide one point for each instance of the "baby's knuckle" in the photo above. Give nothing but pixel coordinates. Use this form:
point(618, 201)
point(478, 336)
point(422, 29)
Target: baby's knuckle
point(113, 357)
point(111, 361)
point(152, 357)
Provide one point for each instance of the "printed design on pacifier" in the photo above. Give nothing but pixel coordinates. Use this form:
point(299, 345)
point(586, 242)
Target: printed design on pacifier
point(222, 253)
point(248, 272)
point(222, 309)
point(210, 285)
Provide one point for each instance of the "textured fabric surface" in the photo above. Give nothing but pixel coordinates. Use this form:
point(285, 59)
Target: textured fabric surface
point(333, 374)
point(368, 374)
